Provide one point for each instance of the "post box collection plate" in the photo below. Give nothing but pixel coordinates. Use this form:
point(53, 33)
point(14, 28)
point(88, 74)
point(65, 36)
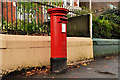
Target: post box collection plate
point(63, 27)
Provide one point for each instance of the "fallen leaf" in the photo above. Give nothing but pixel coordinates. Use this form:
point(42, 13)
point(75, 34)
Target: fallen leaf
point(107, 58)
point(40, 72)
point(28, 72)
point(70, 66)
point(47, 70)
point(53, 77)
point(32, 73)
point(84, 64)
point(35, 68)
point(27, 75)
point(48, 67)
point(78, 66)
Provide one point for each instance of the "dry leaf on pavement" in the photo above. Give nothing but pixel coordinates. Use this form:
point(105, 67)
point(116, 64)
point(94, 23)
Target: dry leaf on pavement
point(84, 64)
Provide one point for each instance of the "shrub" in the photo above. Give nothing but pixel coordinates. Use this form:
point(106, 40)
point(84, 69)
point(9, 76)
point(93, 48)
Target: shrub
point(107, 25)
point(101, 28)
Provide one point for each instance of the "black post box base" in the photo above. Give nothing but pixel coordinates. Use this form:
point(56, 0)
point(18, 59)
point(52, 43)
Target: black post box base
point(58, 65)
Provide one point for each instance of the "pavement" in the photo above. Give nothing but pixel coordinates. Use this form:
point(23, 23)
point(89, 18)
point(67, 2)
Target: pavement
point(102, 67)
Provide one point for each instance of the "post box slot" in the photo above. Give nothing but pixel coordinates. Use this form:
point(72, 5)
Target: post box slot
point(64, 19)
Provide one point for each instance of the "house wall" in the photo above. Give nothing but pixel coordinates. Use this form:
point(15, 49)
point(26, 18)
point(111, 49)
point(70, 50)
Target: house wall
point(9, 11)
point(21, 51)
point(98, 6)
point(41, 15)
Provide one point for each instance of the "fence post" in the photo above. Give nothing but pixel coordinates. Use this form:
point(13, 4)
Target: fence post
point(1, 14)
point(90, 6)
point(119, 4)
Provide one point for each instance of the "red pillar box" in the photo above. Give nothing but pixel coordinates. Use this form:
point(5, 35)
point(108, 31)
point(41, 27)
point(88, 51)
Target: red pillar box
point(58, 23)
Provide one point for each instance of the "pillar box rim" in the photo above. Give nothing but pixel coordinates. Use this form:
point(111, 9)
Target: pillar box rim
point(57, 10)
